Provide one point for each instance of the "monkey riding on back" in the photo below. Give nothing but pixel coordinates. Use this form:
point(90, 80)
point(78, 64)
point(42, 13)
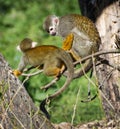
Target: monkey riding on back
point(54, 61)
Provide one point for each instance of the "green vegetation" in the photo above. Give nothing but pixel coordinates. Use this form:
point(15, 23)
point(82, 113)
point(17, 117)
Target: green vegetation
point(20, 19)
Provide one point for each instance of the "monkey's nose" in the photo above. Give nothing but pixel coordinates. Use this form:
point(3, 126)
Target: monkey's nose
point(54, 33)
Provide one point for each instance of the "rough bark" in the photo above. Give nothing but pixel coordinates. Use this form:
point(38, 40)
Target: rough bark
point(17, 110)
point(108, 25)
point(106, 14)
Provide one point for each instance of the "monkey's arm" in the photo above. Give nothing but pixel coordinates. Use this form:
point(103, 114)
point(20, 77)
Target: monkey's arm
point(22, 65)
point(67, 45)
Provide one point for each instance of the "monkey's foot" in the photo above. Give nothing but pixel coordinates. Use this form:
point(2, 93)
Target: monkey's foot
point(17, 73)
point(67, 43)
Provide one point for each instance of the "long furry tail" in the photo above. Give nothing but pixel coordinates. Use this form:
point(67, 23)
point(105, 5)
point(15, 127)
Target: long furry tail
point(84, 69)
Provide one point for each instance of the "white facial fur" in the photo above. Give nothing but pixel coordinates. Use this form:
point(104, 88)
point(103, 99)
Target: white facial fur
point(54, 26)
point(52, 30)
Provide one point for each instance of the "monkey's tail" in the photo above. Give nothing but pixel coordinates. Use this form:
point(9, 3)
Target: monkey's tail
point(43, 109)
point(65, 57)
point(84, 69)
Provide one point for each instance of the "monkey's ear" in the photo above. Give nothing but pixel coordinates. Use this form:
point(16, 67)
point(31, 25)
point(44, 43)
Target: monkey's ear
point(18, 48)
point(56, 20)
point(34, 44)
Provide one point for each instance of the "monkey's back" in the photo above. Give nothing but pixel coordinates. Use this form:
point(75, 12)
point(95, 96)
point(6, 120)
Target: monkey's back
point(82, 23)
point(40, 54)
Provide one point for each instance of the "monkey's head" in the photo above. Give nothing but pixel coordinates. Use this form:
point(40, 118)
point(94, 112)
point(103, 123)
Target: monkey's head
point(51, 24)
point(26, 44)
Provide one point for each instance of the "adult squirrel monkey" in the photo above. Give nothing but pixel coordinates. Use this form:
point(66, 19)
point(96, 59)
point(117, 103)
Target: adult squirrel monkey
point(54, 60)
point(80, 35)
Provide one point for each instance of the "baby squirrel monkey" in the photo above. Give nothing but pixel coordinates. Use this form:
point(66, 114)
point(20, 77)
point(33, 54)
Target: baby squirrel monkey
point(51, 58)
point(82, 33)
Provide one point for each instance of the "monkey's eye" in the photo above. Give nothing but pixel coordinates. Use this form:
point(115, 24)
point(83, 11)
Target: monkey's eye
point(51, 29)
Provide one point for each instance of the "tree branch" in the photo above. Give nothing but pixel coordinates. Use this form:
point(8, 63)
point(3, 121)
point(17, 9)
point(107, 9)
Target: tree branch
point(102, 61)
point(98, 54)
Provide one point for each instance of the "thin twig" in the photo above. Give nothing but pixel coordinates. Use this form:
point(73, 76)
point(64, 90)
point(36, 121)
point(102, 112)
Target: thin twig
point(20, 122)
point(29, 75)
point(32, 74)
point(75, 106)
point(107, 100)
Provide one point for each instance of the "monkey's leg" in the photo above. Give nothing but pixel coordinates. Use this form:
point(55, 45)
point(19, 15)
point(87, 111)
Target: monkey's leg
point(67, 46)
point(67, 43)
point(76, 57)
point(53, 67)
point(55, 71)
point(52, 71)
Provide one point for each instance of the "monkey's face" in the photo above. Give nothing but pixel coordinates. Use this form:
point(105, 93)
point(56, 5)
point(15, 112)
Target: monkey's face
point(54, 26)
point(52, 30)
point(51, 24)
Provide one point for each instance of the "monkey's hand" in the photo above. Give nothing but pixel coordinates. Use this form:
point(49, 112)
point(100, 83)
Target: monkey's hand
point(67, 43)
point(17, 73)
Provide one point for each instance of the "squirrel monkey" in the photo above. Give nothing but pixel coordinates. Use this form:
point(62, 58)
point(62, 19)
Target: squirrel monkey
point(51, 58)
point(80, 35)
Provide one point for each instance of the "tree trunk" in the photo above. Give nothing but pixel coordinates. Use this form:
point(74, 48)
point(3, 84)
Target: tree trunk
point(106, 14)
point(108, 25)
point(17, 110)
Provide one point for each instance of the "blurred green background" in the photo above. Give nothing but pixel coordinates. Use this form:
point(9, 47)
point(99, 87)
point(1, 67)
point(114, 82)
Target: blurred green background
point(24, 18)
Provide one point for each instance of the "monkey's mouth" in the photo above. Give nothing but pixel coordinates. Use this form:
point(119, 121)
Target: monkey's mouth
point(53, 34)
